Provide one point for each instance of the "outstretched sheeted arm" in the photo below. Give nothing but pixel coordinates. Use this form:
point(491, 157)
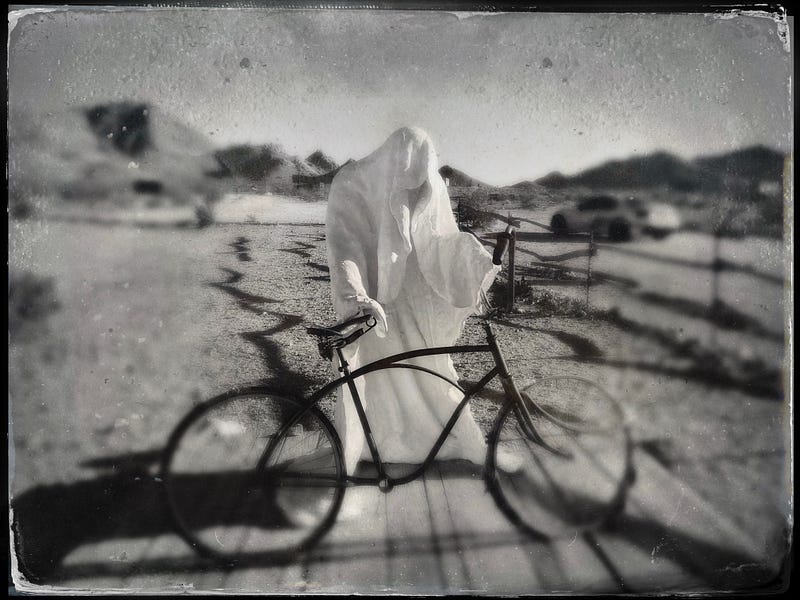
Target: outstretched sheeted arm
point(351, 238)
point(457, 267)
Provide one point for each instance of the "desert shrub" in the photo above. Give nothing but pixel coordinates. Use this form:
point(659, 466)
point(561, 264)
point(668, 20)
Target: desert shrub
point(31, 298)
point(474, 216)
point(770, 210)
point(204, 214)
point(548, 303)
point(19, 205)
point(738, 216)
point(498, 292)
point(538, 301)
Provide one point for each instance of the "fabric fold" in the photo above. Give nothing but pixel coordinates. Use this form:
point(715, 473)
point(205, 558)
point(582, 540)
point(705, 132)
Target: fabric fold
point(392, 238)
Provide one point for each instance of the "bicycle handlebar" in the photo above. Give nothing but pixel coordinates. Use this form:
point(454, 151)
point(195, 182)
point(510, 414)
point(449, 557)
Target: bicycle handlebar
point(500, 250)
point(503, 241)
point(357, 320)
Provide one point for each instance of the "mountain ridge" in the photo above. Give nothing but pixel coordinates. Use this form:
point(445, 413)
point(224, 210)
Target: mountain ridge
point(269, 167)
point(738, 170)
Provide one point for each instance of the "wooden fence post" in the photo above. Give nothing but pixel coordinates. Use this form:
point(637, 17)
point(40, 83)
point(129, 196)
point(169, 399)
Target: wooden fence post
point(589, 267)
point(511, 270)
point(716, 268)
point(510, 291)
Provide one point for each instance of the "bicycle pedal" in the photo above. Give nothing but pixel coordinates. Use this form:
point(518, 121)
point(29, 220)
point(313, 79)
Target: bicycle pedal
point(631, 475)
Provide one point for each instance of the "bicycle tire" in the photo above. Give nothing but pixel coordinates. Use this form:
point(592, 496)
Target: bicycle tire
point(574, 469)
point(228, 499)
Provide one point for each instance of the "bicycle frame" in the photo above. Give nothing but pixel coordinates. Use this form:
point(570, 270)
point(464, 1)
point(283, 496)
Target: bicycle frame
point(383, 480)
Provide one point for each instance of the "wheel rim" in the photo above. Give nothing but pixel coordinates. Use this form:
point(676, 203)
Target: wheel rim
point(240, 487)
point(577, 475)
point(620, 231)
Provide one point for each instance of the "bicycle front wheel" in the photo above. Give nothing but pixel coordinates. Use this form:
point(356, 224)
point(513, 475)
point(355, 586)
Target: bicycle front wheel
point(564, 466)
point(241, 483)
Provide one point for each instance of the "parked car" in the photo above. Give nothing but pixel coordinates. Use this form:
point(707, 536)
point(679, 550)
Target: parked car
point(660, 219)
point(617, 219)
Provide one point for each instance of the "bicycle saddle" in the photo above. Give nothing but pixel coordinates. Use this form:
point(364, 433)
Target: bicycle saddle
point(337, 336)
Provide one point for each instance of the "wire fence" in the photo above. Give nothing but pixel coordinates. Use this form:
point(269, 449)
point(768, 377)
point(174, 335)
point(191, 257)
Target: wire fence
point(559, 269)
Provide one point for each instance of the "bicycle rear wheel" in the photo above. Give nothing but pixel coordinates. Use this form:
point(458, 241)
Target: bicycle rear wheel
point(240, 484)
point(574, 458)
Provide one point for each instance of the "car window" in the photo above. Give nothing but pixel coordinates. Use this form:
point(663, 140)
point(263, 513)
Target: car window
point(638, 207)
point(634, 203)
point(598, 203)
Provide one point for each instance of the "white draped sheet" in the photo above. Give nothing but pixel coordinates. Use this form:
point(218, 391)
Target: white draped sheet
point(392, 240)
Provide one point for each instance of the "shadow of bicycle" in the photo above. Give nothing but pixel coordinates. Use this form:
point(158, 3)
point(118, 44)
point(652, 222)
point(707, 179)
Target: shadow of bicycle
point(50, 522)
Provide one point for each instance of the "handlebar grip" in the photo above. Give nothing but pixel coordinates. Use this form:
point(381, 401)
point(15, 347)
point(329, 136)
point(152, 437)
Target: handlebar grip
point(357, 320)
point(500, 249)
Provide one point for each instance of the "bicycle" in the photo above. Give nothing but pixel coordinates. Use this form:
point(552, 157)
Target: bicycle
point(258, 474)
point(574, 438)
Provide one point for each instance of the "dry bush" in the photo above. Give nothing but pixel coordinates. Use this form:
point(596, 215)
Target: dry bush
point(31, 299)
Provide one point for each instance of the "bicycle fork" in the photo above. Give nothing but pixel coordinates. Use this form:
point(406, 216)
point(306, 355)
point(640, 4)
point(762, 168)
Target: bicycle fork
point(511, 390)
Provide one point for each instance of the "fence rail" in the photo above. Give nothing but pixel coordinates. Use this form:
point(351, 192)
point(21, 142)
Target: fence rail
point(592, 277)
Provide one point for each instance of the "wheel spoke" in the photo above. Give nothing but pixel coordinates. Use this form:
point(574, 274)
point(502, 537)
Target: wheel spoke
point(221, 504)
point(576, 486)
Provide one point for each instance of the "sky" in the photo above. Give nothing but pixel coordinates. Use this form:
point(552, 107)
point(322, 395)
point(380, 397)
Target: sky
point(505, 97)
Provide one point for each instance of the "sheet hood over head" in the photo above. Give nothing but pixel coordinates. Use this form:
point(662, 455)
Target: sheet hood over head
point(385, 205)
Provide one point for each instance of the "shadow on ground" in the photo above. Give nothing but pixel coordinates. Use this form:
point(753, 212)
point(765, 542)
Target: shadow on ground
point(126, 501)
point(707, 366)
point(279, 373)
point(51, 521)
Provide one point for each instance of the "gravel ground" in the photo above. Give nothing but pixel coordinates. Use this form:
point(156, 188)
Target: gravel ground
point(141, 323)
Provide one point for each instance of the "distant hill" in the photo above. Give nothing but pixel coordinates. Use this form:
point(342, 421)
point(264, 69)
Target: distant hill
point(651, 171)
point(553, 180)
point(269, 168)
point(531, 194)
point(118, 154)
point(741, 170)
point(757, 163)
point(457, 178)
point(322, 161)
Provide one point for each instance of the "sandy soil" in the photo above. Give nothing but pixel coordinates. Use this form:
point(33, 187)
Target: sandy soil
point(149, 321)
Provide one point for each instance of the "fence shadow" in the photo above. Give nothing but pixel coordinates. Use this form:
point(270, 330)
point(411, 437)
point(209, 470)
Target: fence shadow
point(247, 301)
point(767, 385)
point(301, 249)
point(696, 264)
point(280, 373)
point(720, 314)
point(580, 345)
point(707, 366)
point(241, 247)
point(109, 221)
point(51, 521)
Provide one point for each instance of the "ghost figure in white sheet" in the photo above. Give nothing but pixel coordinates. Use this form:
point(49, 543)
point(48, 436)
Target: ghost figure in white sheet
point(395, 251)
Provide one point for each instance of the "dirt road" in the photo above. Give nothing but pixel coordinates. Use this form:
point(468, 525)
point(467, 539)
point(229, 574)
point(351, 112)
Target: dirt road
point(149, 321)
